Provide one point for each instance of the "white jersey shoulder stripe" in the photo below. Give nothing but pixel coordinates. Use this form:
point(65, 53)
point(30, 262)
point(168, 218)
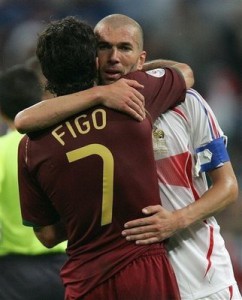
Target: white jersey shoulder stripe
point(211, 119)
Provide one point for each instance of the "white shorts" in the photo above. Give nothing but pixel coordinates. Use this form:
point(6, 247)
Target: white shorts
point(230, 293)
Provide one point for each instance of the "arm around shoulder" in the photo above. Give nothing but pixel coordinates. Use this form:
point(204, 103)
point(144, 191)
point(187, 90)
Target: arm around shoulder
point(184, 69)
point(186, 72)
point(49, 112)
point(121, 95)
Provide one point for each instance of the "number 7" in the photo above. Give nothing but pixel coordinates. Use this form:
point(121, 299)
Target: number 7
point(108, 174)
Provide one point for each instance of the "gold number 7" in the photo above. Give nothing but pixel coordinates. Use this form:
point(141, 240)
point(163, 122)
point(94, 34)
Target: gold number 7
point(108, 174)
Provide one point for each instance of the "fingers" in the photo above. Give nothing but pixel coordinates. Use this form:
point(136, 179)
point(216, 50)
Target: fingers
point(144, 238)
point(123, 96)
point(152, 209)
point(136, 109)
point(140, 237)
point(130, 233)
point(138, 233)
point(139, 116)
point(137, 223)
point(138, 96)
point(135, 84)
point(137, 99)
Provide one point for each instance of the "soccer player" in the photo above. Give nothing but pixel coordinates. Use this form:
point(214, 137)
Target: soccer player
point(184, 182)
point(25, 263)
point(188, 145)
point(125, 55)
point(81, 180)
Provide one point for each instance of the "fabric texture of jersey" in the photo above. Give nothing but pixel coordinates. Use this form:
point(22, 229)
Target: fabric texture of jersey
point(132, 281)
point(198, 255)
point(88, 171)
point(14, 237)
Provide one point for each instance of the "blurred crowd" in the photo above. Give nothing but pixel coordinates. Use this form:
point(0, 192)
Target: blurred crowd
point(206, 34)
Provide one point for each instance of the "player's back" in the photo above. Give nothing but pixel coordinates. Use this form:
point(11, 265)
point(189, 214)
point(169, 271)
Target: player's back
point(99, 172)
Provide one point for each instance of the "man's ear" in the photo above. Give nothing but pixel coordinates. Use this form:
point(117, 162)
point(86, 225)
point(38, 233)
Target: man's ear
point(141, 61)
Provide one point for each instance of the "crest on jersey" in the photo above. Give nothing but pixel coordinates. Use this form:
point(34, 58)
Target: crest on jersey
point(159, 142)
point(156, 72)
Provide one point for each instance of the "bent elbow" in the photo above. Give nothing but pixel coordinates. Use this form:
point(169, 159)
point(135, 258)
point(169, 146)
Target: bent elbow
point(19, 122)
point(48, 243)
point(46, 238)
point(189, 77)
point(191, 80)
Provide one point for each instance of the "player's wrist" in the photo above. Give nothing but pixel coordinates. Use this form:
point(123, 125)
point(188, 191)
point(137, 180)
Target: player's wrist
point(99, 94)
point(181, 219)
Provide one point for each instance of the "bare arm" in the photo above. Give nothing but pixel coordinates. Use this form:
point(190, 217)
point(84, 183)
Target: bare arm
point(51, 235)
point(121, 95)
point(162, 224)
point(182, 68)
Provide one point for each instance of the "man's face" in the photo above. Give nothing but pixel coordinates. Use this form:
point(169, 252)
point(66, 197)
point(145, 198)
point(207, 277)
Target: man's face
point(118, 52)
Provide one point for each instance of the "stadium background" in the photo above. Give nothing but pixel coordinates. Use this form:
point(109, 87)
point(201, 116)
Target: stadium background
point(206, 34)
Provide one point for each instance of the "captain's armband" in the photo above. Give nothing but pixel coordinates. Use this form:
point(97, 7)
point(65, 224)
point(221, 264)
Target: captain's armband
point(211, 155)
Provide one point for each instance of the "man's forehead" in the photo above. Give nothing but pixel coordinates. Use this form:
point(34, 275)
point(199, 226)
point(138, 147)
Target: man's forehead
point(126, 30)
point(124, 35)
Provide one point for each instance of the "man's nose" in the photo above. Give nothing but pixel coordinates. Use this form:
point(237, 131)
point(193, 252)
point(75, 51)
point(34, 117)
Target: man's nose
point(114, 55)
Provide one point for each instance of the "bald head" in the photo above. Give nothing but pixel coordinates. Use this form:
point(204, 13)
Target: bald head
point(116, 21)
point(120, 47)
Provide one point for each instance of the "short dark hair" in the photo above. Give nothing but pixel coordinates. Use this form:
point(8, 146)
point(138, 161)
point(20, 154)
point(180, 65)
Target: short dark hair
point(67, 53)
point(19, 89)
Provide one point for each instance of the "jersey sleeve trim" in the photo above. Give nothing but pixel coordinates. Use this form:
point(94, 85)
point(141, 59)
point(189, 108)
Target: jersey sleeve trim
point(29, 224)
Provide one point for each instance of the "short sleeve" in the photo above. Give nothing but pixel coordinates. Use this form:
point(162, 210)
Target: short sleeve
point(163, 89)
point(36, 208)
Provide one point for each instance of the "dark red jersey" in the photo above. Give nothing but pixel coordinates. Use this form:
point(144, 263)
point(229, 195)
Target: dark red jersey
point(95, 171)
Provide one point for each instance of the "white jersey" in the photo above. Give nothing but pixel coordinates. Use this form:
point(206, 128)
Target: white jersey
point(198, 254)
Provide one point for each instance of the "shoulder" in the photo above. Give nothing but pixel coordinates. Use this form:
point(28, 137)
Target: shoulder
point(192, 94)
point(195, 101)
point(151, 74)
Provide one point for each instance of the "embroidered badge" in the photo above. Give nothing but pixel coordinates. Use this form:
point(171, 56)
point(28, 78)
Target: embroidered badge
point(159, 143)
point(156, 72)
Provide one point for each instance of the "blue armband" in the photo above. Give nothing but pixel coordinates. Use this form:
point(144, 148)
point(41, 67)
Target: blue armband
point(211, 156)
